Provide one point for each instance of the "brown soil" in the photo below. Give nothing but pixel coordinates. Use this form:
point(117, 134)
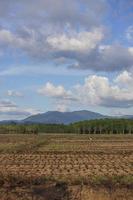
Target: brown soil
point(72, 159)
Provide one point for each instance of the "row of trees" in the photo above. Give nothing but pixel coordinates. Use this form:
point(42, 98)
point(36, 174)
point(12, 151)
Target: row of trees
point(101, 126)
point(34, 128)
point(105, 126)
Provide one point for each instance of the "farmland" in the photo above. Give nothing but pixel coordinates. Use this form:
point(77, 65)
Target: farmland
point(66, 166)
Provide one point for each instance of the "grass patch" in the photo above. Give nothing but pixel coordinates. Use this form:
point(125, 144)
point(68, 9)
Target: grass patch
point(99, 181)
point(104, 181)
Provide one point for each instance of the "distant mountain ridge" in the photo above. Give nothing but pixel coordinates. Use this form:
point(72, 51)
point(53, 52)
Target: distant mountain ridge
point(127, 117)
point(55, 117)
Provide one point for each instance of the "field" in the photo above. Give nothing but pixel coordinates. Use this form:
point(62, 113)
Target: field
point(66, 167)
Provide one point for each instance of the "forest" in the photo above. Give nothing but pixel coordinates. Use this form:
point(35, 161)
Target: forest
point(99, 126)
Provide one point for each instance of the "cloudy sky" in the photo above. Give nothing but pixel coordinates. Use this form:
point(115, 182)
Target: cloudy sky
point(66, 55)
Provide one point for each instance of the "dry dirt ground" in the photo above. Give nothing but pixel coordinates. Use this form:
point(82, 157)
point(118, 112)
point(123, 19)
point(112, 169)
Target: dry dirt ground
point(71, 167)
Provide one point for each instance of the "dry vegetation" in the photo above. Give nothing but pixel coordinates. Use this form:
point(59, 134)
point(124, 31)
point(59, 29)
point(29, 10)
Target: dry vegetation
point(55, 167)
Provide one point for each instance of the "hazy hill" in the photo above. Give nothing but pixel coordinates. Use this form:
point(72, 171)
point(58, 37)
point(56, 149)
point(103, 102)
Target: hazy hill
point(56, 117)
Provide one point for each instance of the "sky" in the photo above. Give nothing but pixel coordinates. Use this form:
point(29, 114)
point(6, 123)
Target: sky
point(65, 56)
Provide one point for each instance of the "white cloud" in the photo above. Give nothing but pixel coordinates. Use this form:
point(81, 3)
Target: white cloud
point(54, 91)
point(96, 91)
point(62, 107)
point(78, 32)
point(125, 78)
point(130, 49)
point(129, 33)
point(7, 105)
point(14, 40)
point(13, 93)
point(8, 38)
point(79, 49)
point(9, 110)
point(61, 97)
point(82, 41)
point(53, 12)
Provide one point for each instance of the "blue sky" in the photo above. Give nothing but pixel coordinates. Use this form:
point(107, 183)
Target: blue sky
point(65, 56)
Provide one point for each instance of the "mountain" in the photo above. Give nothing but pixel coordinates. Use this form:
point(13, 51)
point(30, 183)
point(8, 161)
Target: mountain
point(7, 122)
point(55, 117)
point(127, 117)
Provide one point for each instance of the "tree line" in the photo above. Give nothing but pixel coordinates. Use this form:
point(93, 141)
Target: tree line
point(99, 126)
